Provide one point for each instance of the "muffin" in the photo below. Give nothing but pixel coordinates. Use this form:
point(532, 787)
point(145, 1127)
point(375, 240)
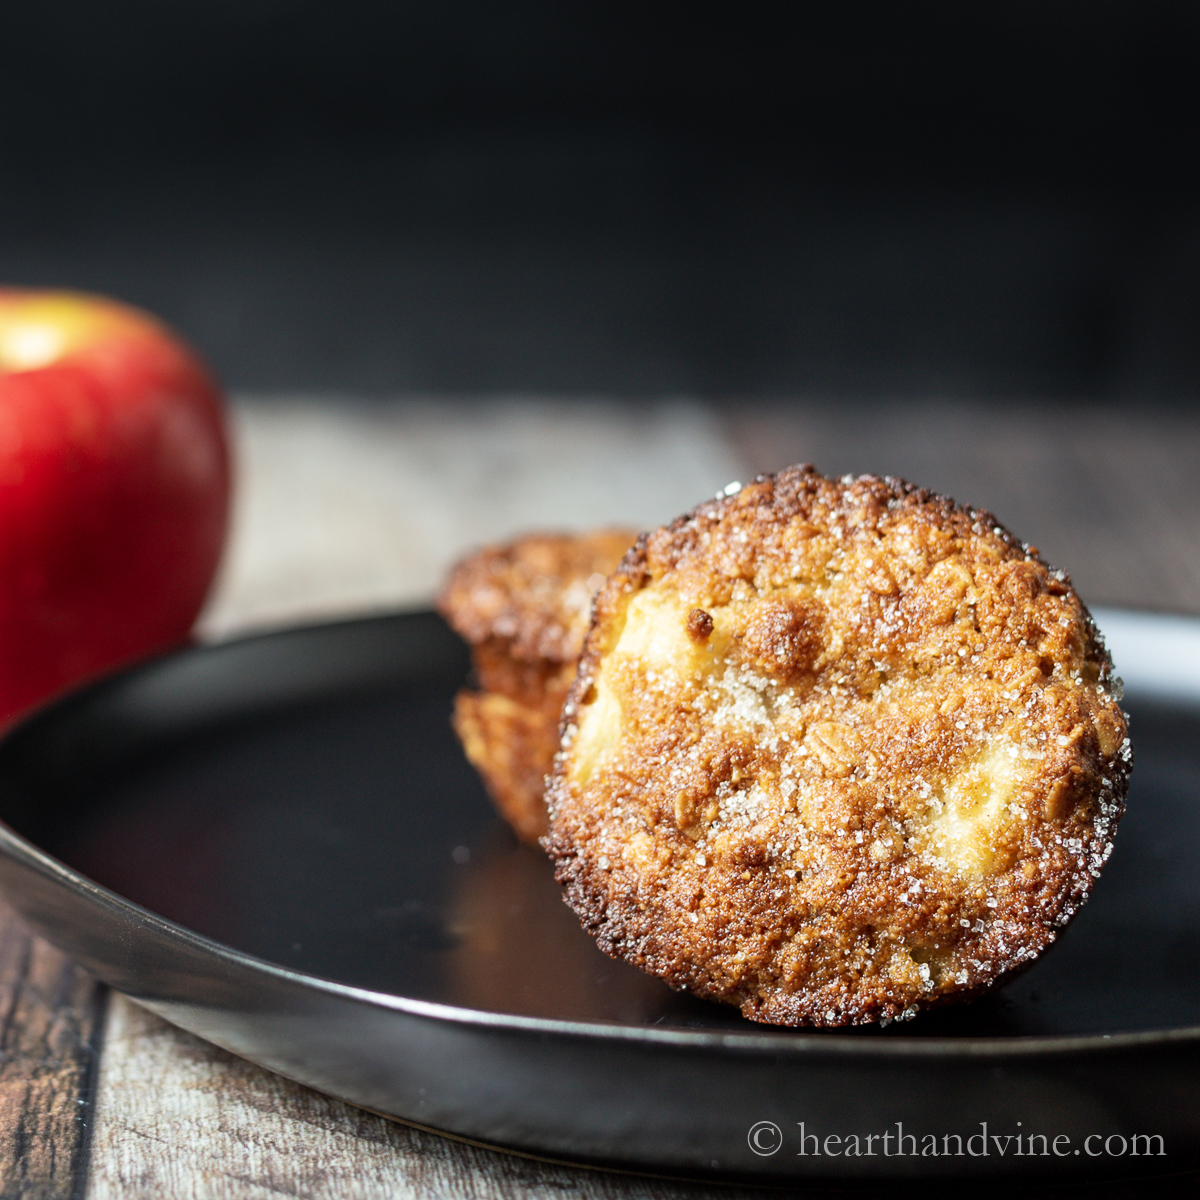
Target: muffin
point(837, 751)
point(524, 608)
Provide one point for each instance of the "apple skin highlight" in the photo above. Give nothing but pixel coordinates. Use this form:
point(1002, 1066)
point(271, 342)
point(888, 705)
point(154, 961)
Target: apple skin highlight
point(114, 490)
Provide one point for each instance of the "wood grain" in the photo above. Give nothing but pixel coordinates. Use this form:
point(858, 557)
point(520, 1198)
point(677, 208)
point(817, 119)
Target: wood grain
point(178, 1117)
point(50, 1013)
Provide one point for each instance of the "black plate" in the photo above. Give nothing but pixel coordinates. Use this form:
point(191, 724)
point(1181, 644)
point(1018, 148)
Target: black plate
point(277, 844)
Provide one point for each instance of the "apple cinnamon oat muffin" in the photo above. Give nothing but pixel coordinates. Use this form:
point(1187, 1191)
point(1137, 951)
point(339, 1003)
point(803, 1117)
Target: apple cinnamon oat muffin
point(524, 608)
point(837, 751)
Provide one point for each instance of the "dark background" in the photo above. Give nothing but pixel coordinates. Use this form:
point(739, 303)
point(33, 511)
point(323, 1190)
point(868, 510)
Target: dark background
point(984, 200)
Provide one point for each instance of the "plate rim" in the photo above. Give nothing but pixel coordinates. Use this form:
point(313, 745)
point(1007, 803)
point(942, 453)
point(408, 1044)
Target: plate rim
point(764, 1039)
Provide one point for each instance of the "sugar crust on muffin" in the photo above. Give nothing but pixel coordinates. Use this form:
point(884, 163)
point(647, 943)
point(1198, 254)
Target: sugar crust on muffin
point(838, 750)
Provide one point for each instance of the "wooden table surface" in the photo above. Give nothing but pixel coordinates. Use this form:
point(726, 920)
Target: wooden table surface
point(350, 507)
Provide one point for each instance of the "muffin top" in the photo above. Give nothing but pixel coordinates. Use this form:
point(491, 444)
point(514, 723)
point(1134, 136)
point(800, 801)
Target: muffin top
point(534, 593)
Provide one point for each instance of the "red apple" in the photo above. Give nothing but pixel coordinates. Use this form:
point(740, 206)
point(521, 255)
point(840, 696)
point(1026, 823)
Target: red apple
point(114, 490)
